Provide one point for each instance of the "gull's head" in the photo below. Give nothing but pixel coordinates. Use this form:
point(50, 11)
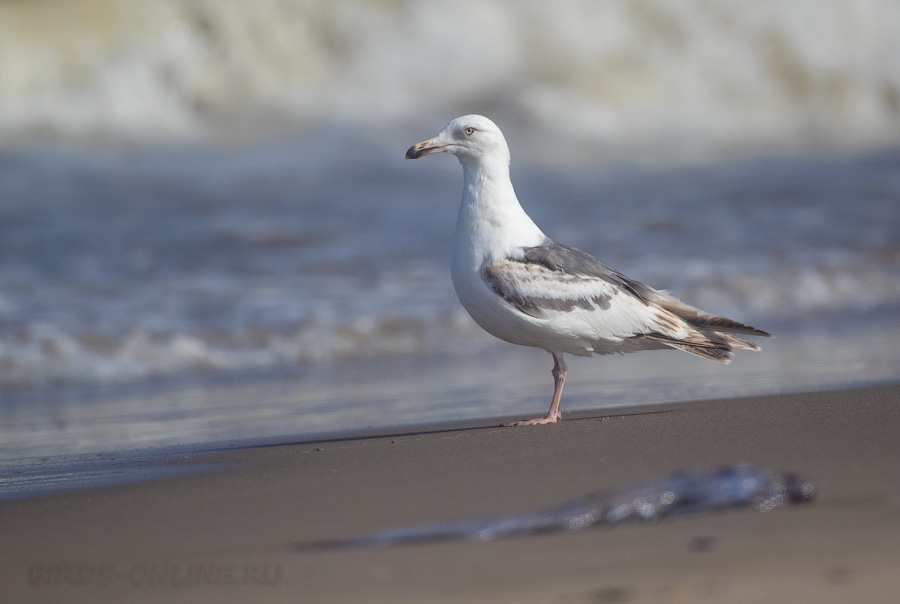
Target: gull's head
point(470, 138)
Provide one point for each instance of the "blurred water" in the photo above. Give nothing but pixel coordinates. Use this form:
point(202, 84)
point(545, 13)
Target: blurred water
point(164, 261)
point(656, 73)
point(207, 229)
point(173, 294)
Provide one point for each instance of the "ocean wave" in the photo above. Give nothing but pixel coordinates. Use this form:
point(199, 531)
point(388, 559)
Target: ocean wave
point(116, 267)
point(770, 72)
point(46, 353)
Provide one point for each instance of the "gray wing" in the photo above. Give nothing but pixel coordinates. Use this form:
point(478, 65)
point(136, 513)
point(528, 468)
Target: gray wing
point(590, 285)
point(567, 259)
point(558, 278)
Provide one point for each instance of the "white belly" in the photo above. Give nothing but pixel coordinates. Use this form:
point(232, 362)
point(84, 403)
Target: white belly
point(502, 320)
point(577, 331)
point(486, 232)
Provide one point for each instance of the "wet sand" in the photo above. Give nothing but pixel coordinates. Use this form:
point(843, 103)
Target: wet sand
point(227, 534)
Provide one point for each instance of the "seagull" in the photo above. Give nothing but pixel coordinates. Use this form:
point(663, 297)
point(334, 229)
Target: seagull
point(523, 287)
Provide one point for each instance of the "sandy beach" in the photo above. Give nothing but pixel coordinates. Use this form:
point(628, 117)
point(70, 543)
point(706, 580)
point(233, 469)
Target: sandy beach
point(234, 324)
point(229, 533)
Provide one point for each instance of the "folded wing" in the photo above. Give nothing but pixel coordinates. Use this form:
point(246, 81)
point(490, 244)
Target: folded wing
point(573, 291)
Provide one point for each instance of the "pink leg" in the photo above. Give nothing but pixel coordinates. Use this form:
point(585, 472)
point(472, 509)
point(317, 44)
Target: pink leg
point(559, 378)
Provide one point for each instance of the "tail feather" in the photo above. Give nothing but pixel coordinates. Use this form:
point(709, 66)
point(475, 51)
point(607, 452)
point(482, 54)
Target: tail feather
point(686, 328)
point(737, 343)
point(708, 350)
point(703, 321)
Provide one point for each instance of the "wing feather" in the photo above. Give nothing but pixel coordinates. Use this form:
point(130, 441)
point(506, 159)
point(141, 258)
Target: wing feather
point(581, 295)
point(534, 289)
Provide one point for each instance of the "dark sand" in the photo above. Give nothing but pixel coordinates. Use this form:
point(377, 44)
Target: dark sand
point(226, 535)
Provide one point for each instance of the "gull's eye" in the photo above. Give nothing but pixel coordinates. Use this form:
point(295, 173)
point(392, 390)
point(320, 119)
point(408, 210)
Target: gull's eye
point(470, 131)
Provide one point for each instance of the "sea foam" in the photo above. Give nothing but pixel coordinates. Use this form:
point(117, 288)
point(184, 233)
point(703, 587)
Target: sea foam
point(689, 73)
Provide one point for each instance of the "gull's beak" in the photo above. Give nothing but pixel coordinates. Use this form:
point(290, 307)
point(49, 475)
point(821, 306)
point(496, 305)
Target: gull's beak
point(424, 148)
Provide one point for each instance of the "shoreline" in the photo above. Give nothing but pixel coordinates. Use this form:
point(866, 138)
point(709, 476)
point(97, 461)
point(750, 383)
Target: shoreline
point(353, 396)
point(61, 473)
point(222, 530)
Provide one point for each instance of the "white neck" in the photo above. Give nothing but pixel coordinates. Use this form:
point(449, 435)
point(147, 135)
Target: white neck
point(491, 223)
